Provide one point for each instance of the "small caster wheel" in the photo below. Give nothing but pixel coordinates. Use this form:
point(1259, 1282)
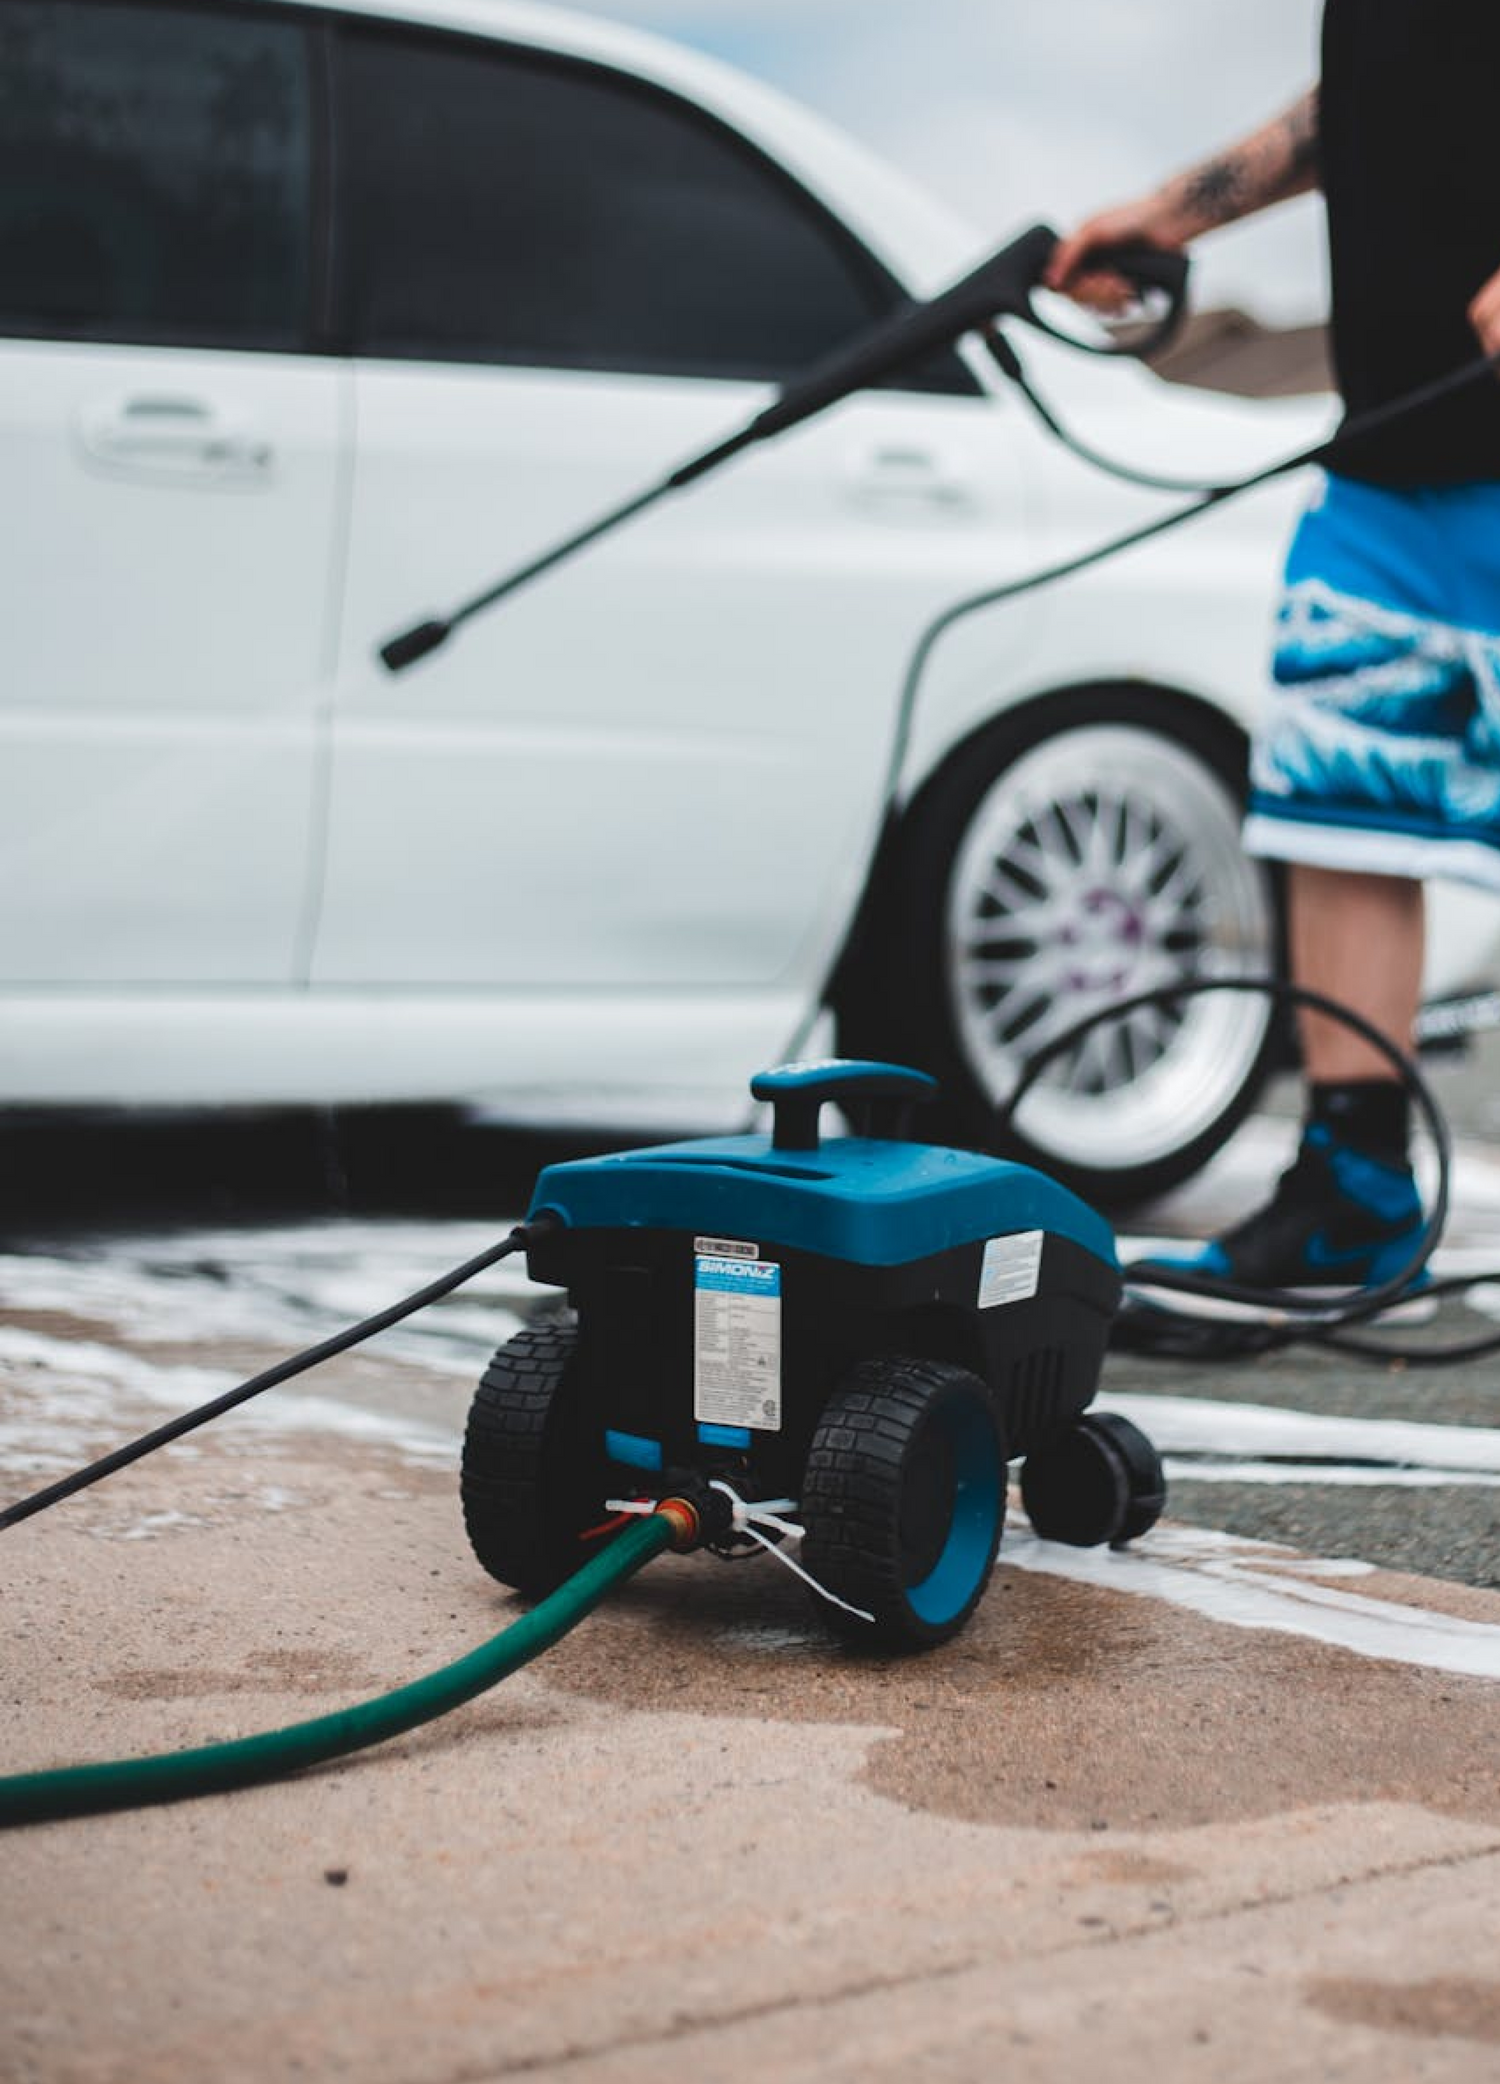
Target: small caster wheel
point(530, 1489)
point(1098, 1480)
point(903, 1500)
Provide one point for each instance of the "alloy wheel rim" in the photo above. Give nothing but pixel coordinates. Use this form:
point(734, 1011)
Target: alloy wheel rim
point(1105, 862)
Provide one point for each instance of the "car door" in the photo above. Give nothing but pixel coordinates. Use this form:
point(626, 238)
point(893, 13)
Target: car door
point(559, 283)
point(168, 496)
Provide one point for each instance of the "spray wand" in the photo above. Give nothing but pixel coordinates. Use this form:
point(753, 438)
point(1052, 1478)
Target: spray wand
point(999, 287)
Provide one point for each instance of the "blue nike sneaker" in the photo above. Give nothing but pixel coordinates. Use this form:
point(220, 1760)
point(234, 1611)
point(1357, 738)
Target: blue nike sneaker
point(1340, 1218)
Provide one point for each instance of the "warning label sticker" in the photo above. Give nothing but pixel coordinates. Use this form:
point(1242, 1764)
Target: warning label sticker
point(1012, 1269)
point(737, 1342)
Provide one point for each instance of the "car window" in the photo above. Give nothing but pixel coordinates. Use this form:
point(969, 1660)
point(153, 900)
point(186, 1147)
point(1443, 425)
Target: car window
point(154, 174)
point(506, 206)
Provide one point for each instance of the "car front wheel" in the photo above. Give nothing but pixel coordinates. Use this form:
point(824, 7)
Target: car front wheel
point(1077, 852)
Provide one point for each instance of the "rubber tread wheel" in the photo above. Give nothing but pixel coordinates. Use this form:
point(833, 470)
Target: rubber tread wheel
point(529, 1489)
point(903, 1500)
point(1100, 1480)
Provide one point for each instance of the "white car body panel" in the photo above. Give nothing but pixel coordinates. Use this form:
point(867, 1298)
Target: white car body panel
point(172, 533)
point(685, 727)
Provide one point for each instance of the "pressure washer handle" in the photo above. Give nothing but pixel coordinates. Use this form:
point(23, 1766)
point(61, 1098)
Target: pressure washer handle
point(798, 1091)
point(999, 286)
point(1145, 268)
point(1149, 267)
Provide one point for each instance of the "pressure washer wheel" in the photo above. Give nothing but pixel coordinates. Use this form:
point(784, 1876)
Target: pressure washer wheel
point(1098, 1480)
point(530, 1488)
point(903, 1500)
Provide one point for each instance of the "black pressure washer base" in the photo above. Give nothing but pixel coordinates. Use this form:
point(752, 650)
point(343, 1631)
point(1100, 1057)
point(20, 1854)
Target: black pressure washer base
point(866, 1330)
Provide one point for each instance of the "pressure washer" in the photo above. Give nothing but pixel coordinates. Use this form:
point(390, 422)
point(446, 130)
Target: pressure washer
point(860, 1331)
point(782, 1339)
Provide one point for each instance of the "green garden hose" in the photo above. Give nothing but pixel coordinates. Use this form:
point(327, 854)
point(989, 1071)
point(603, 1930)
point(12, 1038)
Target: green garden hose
point(175, 1776)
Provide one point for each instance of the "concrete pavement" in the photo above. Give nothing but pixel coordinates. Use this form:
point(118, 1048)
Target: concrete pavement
point(1097, 1835)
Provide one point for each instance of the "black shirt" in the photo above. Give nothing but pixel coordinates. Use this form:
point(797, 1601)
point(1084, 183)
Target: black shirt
point(1409, 144)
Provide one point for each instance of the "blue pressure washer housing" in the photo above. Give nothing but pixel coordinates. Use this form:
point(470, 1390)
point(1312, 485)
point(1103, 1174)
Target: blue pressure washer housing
point(867, 1326)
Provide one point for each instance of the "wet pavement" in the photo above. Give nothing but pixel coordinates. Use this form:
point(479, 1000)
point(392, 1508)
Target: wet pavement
point(1231, 1797)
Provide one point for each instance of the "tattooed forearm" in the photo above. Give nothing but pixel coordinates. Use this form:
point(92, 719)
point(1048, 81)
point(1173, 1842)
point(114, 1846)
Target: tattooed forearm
point(1301, 122)
point(1277, 161)
point(1219, 190)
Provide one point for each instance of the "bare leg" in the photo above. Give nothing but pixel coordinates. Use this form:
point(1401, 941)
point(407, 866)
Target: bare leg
point(1360, 939)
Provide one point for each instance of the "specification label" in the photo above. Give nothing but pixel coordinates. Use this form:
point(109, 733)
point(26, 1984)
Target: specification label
point(737, 1342)
point(1011, 1270)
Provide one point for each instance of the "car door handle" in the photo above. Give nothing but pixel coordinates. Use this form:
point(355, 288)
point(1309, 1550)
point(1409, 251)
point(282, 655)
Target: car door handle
point(897, 470)
point(173, 437)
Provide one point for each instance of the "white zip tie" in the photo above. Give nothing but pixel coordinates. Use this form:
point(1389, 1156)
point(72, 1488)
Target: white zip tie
point(807, 1577)
point(764, 1514)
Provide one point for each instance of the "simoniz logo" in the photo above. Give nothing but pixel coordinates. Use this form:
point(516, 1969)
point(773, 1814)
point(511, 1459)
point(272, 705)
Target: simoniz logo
point(746, 1273)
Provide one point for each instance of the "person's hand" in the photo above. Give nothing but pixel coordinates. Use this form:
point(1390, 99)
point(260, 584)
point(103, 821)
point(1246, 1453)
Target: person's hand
point(1149, 222)
point(1484, 315)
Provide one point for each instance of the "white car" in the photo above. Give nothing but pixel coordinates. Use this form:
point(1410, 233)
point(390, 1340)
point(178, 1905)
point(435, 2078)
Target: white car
point(318, 317)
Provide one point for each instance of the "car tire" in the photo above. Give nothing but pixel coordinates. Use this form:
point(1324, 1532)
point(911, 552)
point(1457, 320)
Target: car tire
point(1078, 850)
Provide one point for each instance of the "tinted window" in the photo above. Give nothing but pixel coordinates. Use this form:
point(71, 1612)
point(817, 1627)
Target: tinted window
point(154, 174)
point(506, 207)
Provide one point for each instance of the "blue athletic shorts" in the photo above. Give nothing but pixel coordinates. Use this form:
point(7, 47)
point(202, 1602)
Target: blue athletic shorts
point(1381, 746)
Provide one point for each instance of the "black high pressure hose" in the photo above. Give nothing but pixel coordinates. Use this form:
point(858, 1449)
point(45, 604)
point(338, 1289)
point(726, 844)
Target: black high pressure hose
point(282, 1371)
point(1286, 1317)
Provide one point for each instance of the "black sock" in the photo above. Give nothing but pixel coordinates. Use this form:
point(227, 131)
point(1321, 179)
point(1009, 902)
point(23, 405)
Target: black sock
point(1370, 1114)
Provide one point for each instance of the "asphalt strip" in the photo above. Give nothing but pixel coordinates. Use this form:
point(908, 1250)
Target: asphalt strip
point(1262, 1443)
